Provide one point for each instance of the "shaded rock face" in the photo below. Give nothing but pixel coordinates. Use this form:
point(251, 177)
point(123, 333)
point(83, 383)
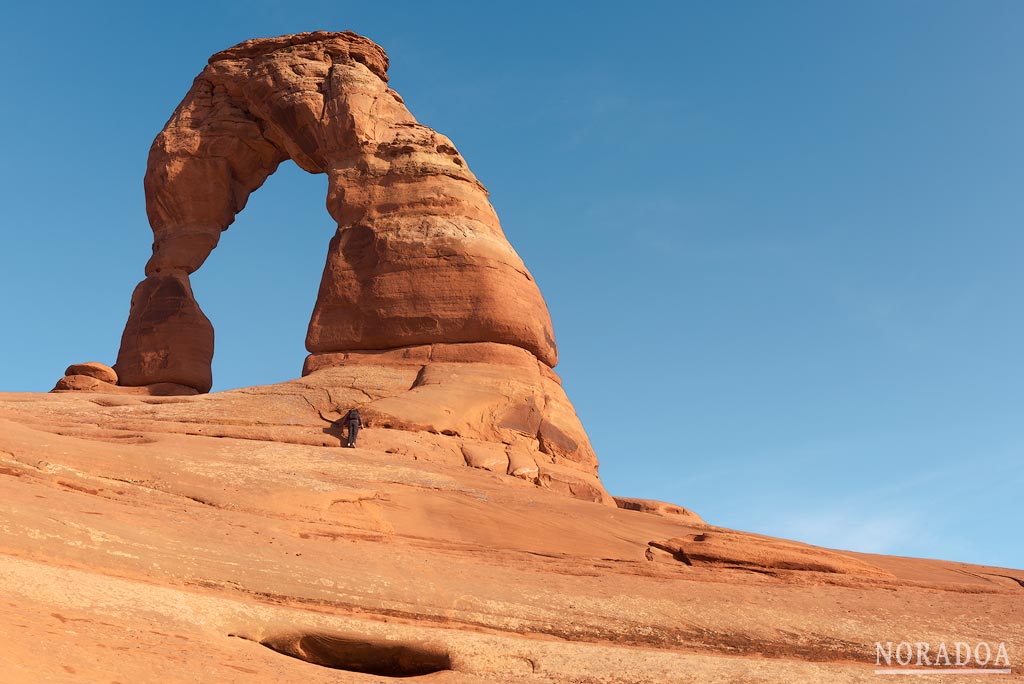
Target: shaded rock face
point(167, 339)
point(421, 293)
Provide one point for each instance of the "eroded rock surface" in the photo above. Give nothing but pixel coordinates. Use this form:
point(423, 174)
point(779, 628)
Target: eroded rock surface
point(658, 508)
point(762, 554)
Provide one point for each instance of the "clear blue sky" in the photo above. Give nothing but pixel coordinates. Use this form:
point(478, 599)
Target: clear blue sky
point(784, 238)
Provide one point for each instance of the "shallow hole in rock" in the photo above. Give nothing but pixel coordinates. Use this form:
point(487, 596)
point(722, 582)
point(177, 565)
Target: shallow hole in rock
point(358, 654)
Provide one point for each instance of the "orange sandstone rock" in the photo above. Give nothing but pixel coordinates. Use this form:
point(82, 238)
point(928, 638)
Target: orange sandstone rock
point(658, 508)
point(93, 369)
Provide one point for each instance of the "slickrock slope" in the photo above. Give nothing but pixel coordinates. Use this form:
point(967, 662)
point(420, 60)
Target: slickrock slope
point(151, 539)
point(489, 406)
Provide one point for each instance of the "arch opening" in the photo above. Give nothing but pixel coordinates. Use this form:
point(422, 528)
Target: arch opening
point(259, 286)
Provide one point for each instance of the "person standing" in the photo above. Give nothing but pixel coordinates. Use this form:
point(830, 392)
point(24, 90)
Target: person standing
point(352, 422)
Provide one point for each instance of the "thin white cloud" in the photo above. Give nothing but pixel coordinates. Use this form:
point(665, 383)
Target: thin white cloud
point(885, 532)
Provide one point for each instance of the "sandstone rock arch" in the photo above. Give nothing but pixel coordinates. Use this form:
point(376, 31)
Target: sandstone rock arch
point(426, 318)
point(419, 256)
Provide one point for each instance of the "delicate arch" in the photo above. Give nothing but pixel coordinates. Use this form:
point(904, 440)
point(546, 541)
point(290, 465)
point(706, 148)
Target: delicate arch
point(419, 256)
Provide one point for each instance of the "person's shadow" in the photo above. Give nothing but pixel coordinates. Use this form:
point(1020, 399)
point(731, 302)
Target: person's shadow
point(335, 427)
point(337, 430)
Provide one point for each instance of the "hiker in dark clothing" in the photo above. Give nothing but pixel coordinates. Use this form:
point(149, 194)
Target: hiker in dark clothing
point(353, 422)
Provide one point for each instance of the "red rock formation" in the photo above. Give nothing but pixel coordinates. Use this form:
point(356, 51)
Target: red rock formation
point(421, 294)
point(419, 257)
point(661, 508)
point(93, 369)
